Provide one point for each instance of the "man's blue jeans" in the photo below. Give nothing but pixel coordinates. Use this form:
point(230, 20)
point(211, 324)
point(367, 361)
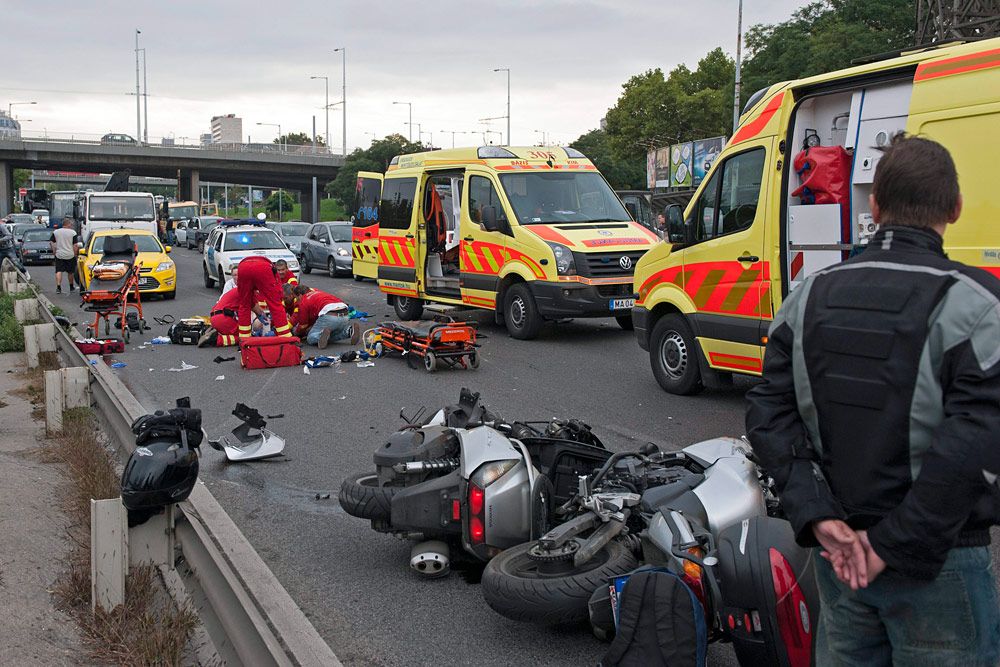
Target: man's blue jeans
point(952, 620)
point(339, 325)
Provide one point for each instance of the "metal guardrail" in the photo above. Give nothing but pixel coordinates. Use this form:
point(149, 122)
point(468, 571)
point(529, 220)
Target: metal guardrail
point(248, 615)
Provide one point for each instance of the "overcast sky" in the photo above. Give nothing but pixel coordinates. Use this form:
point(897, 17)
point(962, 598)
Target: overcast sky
point(567, 58)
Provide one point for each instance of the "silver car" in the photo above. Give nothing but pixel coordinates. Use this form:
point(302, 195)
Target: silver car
point(293, 233)
point(327, 246)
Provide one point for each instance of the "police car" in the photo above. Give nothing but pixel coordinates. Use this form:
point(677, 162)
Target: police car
point(234, 240)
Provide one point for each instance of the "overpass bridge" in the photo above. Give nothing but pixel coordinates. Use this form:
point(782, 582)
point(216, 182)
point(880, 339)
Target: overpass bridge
point(241, 164)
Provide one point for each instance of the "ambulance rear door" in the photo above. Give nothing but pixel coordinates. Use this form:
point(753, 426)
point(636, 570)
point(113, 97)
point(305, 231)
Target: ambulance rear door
point(398, 259)
point(364, 218)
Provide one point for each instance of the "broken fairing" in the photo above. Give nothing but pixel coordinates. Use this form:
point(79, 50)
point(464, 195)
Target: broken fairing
point(249, 446)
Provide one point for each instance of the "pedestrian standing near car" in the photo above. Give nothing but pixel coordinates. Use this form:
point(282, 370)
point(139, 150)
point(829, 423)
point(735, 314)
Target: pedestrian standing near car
point(7, 245)
point(877, 419)
point(258, 279)
point(63, 242)
point(321, 318)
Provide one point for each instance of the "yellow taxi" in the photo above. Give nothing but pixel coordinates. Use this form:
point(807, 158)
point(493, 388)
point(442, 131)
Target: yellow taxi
point(157, 273)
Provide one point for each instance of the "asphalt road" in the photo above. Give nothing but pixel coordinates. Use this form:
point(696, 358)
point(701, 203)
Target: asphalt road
point(353, 583)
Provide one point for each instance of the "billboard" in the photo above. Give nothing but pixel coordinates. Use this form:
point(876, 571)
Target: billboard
point(705, 152)
point(658, 168)
point(680, 165)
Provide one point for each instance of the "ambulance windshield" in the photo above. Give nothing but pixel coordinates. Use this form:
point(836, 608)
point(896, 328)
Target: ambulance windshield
point(541, 198)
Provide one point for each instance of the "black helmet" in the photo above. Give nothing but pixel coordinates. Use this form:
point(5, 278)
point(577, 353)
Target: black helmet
point(158, 473)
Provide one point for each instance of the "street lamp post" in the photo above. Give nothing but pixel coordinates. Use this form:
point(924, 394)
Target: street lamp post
point(326, 81)
point(453, 133)
point(145, 101)
point(418, 130)
point(542, 132)
point(507, 70)
point(138, 100)
point(281, 142)
point(343, 92)
point(736, 88)
point(409, 124)
point(11, 106)
point(428, 133)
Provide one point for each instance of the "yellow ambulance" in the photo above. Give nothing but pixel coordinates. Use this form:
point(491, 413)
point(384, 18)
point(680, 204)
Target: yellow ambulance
point(531, 233)
point(752, 232)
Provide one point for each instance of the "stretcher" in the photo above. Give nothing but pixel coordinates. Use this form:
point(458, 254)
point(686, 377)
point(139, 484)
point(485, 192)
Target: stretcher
point(114, 289)
point(438, 344)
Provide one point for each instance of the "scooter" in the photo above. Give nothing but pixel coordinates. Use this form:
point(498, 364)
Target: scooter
point(707, 513)
point(465, 478)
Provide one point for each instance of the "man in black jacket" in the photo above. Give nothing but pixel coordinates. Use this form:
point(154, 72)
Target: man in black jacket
point(879, 419)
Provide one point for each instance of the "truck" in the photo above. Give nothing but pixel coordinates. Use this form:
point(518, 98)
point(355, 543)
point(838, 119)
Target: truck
point(115, 210)
point(61, 204)
point(35, 198)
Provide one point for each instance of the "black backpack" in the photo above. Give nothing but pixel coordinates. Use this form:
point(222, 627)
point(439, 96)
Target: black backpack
point(660, 623)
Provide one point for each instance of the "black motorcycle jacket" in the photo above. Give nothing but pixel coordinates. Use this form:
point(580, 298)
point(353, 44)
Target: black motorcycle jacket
point(880, 401)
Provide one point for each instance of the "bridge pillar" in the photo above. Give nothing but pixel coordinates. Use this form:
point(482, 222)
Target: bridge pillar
point(306, 199)
point(6, 188)
point(189, 186)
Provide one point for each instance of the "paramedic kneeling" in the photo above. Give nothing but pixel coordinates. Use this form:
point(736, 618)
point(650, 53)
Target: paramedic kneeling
point(224, 320)
point(322, 318)
point(258, 280)
point(877, 419)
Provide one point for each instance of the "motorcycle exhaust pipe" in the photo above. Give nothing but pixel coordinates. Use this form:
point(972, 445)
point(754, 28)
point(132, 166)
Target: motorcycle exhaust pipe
point(430, 559)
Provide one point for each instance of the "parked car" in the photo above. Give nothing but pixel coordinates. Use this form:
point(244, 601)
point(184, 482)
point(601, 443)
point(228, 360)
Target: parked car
point(18, 229)
point(204, 229)
point(157, 274)
point(327, 246)
point(113, 139)
point(293, 233)
point(20, 218)
point(186, 231)
point(35, 246)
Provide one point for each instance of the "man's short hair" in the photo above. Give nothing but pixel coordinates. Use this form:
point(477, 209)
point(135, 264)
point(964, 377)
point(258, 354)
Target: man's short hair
point(287, 291)
point(281, 264)
point(916, 183)
point(67, 222)
point(300, 289)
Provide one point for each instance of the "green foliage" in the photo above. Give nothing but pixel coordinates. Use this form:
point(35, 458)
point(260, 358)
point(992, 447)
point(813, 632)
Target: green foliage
point(655, 111)
point(622, 174)
point(298, 139)
point(287, 202)
point(11, 331)
point(374, 158)
point(824, 36)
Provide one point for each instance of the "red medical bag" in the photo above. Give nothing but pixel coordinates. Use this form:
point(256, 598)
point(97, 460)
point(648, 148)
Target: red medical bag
point(101, 346)
point(270, 352)
point(825, 177)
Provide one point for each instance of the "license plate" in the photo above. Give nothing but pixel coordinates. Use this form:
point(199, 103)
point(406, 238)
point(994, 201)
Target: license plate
point(622, 304)
point(143, 282)
point(46, 256)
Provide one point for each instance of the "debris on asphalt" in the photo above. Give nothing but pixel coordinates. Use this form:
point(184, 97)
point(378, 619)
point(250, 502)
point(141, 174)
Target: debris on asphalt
point(321, 361)
point(220, 377)
point(221, 359)
point(365, 364)
point(322, 496)
point(160, 340)
point(119, 364)
point(185, 366)
point(280, 415)
point(305, 369)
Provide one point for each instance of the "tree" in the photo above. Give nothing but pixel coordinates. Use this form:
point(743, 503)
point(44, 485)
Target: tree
point(298, 139)
point(622, 174)
point(824, 36)
point(374, 158)
point(655, 111)
point(271, 203)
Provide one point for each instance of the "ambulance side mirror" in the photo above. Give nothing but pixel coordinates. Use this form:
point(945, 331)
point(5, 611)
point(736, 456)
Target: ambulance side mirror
point(490, 221)
point(676, 232)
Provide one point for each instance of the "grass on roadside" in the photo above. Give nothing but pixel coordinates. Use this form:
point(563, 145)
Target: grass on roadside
point(148, 629)
point(11, 331)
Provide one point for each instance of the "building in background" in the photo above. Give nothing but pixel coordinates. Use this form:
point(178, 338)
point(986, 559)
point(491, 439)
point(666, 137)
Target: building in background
point(206, 138)
point(227, 129)
point(9, 128)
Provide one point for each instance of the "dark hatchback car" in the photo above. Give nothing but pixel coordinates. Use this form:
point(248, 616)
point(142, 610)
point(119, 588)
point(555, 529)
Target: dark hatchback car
point(35, 246)
point(205, 228)
point(113, 139)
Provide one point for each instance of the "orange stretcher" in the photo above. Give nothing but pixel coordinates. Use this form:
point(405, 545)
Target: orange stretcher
point(438, 344)
point(114, 290)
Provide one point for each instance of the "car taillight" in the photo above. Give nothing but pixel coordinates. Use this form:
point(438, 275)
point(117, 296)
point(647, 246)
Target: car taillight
point(791, 611)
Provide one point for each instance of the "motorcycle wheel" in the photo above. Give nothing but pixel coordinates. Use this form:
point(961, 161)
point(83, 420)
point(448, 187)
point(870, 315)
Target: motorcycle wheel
point(361, 496)
point(516, 587)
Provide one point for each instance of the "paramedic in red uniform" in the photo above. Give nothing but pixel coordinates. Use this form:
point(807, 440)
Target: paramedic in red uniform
point(284, 274)
point(224, 321)
point(322, 317)
point(257, 278)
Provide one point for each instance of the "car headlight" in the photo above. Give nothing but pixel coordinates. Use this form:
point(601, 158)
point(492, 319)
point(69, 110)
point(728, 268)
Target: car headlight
point(292, 264)
point(164, 266)
point(342, 252)
point(565, 262)
point(295, 247)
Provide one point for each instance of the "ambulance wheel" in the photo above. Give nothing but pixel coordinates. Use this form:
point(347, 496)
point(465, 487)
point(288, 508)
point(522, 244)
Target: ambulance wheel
point(473, 360)
point(625, 322)
point(209, 282)
point(358, 278)
point(407, 308)
point(673, 354)
point(521, 314)
point(430, 362)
